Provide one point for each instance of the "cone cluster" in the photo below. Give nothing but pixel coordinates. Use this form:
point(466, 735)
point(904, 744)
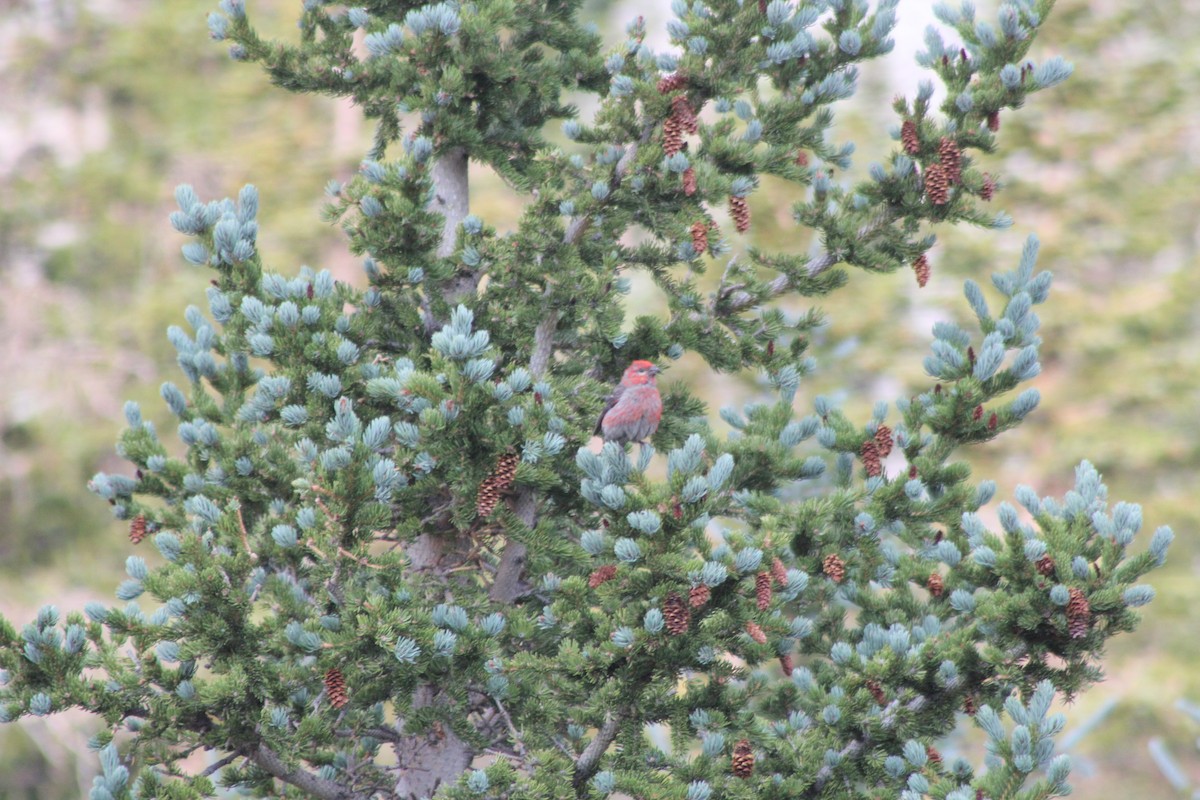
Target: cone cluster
point(335, 688)
point(496, 484)
point(677, 615)
point(137, 529)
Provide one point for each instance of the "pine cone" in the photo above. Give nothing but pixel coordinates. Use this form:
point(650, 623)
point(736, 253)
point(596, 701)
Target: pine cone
point(681, 109)
point(1045, 566)
point(779, 572)
point(801, 159)
point(762, 590)
point(993, 121)
point(834, 568)
point(921, 268)
point(951, 158)
point(1079, 614)
point(934, 756)
point(936, 584)
point(969, 705)
point(993, 421)
point(883, 440)
point(699, 595)
point(786, 663)
point(335, 688)
point(870, 458)
point(877, 692)
point(677, 615)
point(496, 484)
point(601, 575)
point(700, 236)
point(755, 631)
point(743, 759)
point(908, 137)
point(937, 184)
point(739, 209)
point(671, 83)
point(672, 136)
point(988, 190)
point(689, 181)
point(977, 414)
point(137, 529)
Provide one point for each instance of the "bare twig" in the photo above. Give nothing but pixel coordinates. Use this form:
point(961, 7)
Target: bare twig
point(306, 781)
point(589, 759)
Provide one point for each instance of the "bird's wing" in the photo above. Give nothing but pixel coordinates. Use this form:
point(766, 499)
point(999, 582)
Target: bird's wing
point(608, 404)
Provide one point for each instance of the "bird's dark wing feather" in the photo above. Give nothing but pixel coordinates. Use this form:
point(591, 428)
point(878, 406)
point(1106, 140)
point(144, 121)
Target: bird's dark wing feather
point(608, 404)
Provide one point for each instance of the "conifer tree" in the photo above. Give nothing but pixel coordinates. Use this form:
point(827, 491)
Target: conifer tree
point(392, 566)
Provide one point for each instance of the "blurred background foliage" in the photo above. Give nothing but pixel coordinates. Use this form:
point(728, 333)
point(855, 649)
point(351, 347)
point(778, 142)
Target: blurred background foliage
point(108, 104)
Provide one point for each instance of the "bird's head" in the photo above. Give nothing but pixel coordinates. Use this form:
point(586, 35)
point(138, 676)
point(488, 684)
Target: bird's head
point(640, 372)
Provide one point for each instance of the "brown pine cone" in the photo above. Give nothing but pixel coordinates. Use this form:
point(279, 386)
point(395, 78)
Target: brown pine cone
point(739, 209)
point(934, 756)
point(681, 109)
point(779, 572)
point(921, 268)
point(335, 688)
point(1045, 566)
point(699, 595)
point(993, 121)
point(601, 575)
point(671, 83)
point(672, 136)
point(137, 529)
point(677, 615)
point(883, 440)
point(988, 190)
point(496, 484)
point(762, 590)
point(937, 184)
point(756, 632)
point(834, 568)
point(908, 137)
point(743, 759)
point(786, 663)
point(700, 237)
point(951, 158)
point(969, 707)
point(1079, 614)
point(870, 458)
point(689, 181)
point(877, 692)
point(936, 584)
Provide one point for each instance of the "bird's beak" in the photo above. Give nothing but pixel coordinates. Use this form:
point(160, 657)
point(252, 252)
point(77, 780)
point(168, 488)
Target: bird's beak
point(655, 370)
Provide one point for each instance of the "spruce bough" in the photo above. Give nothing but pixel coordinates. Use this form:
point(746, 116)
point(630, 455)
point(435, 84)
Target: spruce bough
point(392, 567)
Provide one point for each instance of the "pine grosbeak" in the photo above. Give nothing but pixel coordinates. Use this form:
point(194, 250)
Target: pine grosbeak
point(634, 408)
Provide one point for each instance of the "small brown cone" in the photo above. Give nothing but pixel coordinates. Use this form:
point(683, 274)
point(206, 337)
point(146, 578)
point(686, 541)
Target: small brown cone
point(689, 181)
point(743, 759)
point(762, 590)
point(937, 184)
point(969, 707)
point(936, 584)
point(801, 159)
point(921, 269)
point(951, 158)
point(699, 596)
point(700, 237)
point(908, 137)
point(993, 121)
point(671, 83)
point(870, 458)
point(786, 663)
point(335, 688)
point(1079, 614)
point(883, 440)
point(977, 414)
point(877, 692)
point(1045, 566)
point(755, 632)
point(672, 136)
point(496, 484)
point(677, 615)
point(137, 529)
point(779, 572)
point(739, 209)
point(601, 575)
point(834, 568)
point(934, 756)
point(681, 110)
point(988, 190)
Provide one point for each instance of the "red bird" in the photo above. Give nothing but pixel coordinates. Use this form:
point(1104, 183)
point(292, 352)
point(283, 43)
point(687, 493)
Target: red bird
point(634, 408)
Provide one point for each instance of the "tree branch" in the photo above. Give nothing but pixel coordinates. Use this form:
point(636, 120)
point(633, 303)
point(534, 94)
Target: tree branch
point(266, 758)
point(589, 759)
